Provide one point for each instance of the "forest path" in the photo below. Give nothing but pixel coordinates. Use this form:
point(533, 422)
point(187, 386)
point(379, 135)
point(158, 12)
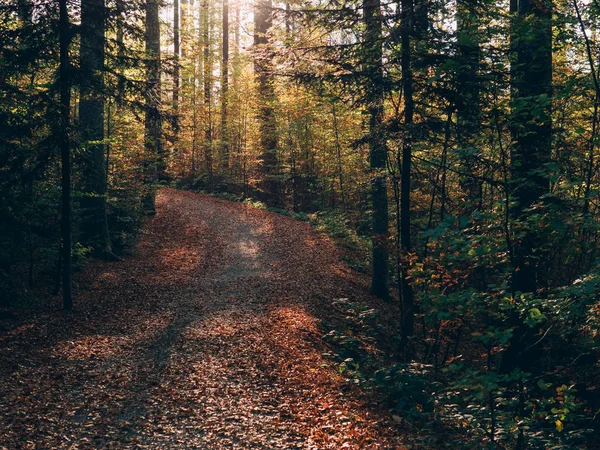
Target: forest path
point(208, 337)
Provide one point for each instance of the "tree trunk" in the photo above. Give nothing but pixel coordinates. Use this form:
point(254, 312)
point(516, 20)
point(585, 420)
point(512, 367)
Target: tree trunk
point(225, 87)
point(263, 21)
point(94, 226)
point(338, 148)
point(154, 157)
point(120, 41)
point(531, 127)
point(176, 68)
point(208, 87)
point(65, 153)
point(467, 99)
point(408, 312)
point(377, 147)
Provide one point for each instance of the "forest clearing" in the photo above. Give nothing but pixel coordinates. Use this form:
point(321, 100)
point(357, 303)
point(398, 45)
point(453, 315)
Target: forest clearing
point(300, 224)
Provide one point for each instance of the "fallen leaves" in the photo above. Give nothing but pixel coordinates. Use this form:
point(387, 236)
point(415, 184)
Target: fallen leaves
point(207, 337)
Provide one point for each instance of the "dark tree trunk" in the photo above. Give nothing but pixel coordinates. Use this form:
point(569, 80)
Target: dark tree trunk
point(94, 226)
point(208, 88)
point(176, 68)
point(377, 150)
point(467, 99)
point(120, 25)
point(154, 158)
point(65, 153)
point(531, 127)
point(408, 313)
point(263, 21)
point(225, 87)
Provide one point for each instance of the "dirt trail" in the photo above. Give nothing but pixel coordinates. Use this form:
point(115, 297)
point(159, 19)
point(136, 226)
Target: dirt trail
point(208, 337)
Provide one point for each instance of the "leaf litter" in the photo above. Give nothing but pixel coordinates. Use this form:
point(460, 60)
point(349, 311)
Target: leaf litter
point(208, 336)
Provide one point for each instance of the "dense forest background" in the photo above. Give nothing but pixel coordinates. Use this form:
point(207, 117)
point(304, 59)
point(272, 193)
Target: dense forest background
point(451, 146)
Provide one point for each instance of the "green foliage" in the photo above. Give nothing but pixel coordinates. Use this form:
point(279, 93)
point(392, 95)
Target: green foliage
point(408, 387)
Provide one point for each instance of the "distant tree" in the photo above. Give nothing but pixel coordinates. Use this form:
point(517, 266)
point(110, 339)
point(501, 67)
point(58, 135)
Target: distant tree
point(207, 62)
point(177, 65)
point(225, 87)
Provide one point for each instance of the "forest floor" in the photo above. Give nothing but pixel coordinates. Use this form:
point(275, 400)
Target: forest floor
point(209, 336)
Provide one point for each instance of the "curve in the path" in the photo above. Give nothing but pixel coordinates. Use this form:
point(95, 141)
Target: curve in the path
point(208, 337)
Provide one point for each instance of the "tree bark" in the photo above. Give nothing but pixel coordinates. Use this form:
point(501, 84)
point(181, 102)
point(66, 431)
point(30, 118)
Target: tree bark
point(263, 21)
point(531, 127)
point(225, 87)
point(154, 158)
point(94, 225)
point(208, 88)
point(408, 312)
point(65, 152)
point(377, 148)
point(176, 68)
point(467, 97)
point(120, 40)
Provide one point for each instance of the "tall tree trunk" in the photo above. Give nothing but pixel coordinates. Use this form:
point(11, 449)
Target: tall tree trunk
point(467, 105)
point(225, 87)
point(208, 88)
point(377, 147)
point(531, 127)
point(65, 153)
point(408, 313)
point(120, 25)
point(154, 157)
point(263, 21)
point(94, 225)
point(176, 69)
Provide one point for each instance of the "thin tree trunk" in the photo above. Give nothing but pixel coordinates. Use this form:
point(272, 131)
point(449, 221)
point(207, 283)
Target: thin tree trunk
point(225, 87)
point(120, 51)
point(339, 156)
point(176, 69)
point(65, 152)
point(208, 130)
point(408, 313)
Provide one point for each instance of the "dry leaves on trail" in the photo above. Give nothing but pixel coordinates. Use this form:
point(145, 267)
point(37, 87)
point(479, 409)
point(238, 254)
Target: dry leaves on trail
point(209, 336)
